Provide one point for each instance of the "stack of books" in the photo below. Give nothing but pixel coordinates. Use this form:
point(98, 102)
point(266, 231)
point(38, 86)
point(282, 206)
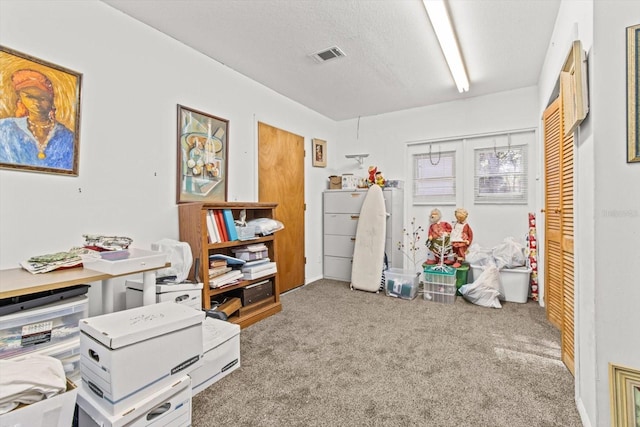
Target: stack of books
point(258, 268)
point(221, 273)
point(221, 226)
point(257, 251)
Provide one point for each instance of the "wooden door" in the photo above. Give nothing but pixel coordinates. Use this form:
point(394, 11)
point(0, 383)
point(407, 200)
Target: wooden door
point(559, 263)
point(281, 180)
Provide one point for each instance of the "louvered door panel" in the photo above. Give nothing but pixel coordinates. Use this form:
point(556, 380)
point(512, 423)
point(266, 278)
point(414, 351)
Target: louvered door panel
point(553, 220)
point(559, 229)
point(566, 208)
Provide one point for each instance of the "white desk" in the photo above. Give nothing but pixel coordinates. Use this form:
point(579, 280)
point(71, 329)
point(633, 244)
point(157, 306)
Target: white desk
point(17, 281)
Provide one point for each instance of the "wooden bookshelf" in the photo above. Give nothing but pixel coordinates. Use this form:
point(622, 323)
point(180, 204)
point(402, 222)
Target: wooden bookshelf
point(193, 230)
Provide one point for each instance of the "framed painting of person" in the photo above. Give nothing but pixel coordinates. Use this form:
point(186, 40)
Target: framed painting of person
point(319, 150)
point(39, 115)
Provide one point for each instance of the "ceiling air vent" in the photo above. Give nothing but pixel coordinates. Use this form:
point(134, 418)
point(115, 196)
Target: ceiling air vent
point(327, 54)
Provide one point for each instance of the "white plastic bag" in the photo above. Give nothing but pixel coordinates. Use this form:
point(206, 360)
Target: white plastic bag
point(485, 290)
point(479, 256)
point(509, 254)
point(178, 254)
point(265, 226)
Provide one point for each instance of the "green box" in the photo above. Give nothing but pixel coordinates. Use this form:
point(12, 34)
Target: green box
point(461, 277)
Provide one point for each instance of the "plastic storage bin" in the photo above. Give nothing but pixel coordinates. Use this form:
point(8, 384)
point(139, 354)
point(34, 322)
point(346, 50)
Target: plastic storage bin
point(514, 282)
point(401, 283)
point(440, 284)
point(37, 328)
point(462, 273)
point(67, 352)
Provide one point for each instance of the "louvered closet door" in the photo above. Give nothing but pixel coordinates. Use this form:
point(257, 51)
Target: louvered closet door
point(559, 265)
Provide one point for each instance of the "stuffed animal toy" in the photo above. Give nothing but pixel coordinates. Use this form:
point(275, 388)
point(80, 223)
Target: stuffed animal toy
point(372, 175)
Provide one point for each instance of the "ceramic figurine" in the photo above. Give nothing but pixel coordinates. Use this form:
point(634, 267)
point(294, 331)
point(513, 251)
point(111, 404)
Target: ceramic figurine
point(438, 236)
point(461, 236)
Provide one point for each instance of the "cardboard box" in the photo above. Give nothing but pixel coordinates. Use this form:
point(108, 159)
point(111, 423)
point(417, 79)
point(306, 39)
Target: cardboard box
point(335, 182)
point(54, 412)
point(221, 353)
point(128, 355)
point(189, 294)
point(169, 406)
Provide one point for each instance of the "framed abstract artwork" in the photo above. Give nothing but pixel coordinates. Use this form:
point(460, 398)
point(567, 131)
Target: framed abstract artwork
point(624, 386)
point(633, 74)
point(39, 115)
point(202, 157)
point(319, 149)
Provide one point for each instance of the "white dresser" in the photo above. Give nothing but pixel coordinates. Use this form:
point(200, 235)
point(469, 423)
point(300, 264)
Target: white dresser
point(341, 213)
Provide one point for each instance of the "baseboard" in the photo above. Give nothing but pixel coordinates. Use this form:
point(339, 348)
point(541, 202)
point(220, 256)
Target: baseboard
point(583, 413)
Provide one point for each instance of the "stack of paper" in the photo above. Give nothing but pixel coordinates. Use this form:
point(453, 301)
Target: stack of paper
point(259, 268)
point(225, 279)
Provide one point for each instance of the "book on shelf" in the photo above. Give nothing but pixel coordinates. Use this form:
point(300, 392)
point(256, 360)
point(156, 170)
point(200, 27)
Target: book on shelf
point(230, 224)
point(221, 227)
point(214, 236)
point(226, 278)
point(213, 263)
point(257, 247)
point(218, 271)
point(229, 259)
point(261, 273)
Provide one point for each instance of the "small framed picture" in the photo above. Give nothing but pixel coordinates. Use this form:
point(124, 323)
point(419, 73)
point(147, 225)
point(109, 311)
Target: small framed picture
point(625, 396)
point(319, 149)
point(39, 115)
point(202, 157)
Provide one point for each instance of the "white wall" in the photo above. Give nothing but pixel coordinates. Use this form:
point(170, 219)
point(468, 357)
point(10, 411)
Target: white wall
point(616, 202)
point(133, 79)
point(607, 203)
point(575, 22)
point(390, 139)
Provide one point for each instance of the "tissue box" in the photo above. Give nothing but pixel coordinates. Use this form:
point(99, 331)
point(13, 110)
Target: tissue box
point(128, 355)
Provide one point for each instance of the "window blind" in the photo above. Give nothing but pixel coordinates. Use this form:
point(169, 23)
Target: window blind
point(501, 175)
point(434, 178)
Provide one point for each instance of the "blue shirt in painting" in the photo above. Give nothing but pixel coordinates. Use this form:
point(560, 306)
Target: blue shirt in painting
point(19, 147)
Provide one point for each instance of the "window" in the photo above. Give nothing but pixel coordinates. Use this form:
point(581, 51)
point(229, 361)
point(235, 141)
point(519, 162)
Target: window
point(434, 179)
point(501, 175)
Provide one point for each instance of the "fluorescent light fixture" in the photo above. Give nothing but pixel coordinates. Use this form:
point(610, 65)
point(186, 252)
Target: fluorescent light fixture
point(437, 11)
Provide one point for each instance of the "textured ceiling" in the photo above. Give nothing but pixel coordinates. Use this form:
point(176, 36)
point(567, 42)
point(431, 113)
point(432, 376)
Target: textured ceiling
point(393, 61)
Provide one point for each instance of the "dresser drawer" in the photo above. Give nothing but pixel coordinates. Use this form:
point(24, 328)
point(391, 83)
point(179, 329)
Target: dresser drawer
point(344, 201)
point(337, 245)
point(345, 224)
point(337, 268)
